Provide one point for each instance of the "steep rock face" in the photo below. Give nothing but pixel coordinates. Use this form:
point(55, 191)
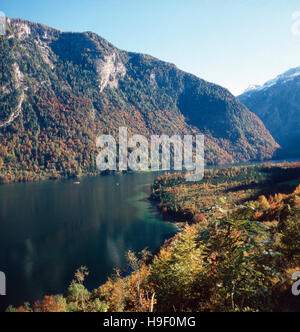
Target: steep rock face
point(277, 103)
point(110, 70)
point(60, 90)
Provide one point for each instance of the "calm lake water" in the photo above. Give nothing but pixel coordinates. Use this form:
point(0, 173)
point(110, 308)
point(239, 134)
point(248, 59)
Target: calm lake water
point(49, 229)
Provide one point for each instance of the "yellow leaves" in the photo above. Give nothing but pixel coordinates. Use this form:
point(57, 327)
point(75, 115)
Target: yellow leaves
point(165, 254)
point(257, 216)
point(246, 254)
point(133, 293)
point(297, 190)
point(279, 197)
point(50, 304)
point(263, 203)
point(297, 203)
point(223, 200)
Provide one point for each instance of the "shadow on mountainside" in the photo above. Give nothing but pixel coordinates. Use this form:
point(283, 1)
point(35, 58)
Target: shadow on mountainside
point(278, 180)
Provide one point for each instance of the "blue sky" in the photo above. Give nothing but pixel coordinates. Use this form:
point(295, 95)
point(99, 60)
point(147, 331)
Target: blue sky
point(233, 43)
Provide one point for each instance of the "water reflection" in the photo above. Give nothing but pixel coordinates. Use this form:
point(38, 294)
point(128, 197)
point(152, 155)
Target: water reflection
point(49, 229)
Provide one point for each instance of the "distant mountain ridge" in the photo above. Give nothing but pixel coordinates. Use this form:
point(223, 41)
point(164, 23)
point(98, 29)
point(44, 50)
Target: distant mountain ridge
point(280, 79)
point(277, 103)
point(252, 88)
point(60, 90)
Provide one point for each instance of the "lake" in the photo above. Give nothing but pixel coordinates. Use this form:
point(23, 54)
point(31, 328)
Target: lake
point(50, 229)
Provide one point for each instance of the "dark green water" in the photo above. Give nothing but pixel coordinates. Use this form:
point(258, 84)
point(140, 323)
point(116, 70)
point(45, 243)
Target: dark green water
point(49, 229)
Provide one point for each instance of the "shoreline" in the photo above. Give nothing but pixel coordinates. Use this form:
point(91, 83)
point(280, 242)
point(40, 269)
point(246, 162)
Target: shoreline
point(30, 177)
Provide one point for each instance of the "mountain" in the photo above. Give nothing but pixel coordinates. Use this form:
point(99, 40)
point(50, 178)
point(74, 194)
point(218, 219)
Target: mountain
point(252, 88)
point(277, 103)
point(60, 90)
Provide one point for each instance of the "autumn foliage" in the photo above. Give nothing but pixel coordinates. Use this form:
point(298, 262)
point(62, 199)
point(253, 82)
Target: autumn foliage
point(235, 255)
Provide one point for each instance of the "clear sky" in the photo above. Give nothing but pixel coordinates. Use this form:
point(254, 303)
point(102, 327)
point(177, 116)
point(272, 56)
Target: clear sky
point(234, 43)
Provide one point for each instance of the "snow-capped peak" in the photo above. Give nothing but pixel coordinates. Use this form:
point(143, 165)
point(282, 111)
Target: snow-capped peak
point(252, 87)
point(282, 78)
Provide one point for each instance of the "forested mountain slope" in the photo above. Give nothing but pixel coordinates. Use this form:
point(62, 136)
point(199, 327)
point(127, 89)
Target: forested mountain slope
point(277, 103)
point(60, 90)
